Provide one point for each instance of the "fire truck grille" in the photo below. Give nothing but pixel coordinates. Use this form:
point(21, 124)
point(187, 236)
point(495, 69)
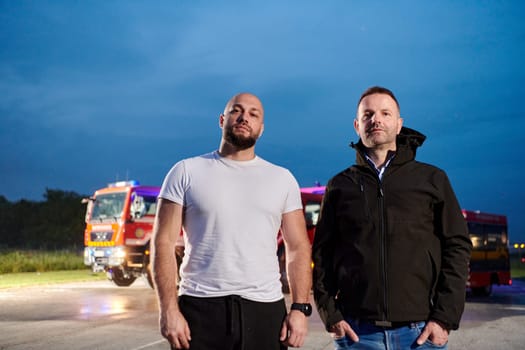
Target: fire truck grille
point(101, 236)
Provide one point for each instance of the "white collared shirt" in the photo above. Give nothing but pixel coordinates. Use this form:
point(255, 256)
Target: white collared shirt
point(381, 170)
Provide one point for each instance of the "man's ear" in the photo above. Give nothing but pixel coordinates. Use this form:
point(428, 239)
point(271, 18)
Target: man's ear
point(221, 120)
point(261, 132)
point(356, 126)
point(400, 125)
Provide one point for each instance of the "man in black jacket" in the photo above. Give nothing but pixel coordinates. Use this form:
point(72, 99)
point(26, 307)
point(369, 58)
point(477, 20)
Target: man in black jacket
point(391, 248)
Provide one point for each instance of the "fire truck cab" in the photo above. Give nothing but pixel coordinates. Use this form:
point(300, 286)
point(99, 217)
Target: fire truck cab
point(119, 225)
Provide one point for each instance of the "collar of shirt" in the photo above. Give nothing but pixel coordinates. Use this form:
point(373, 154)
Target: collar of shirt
point(381, 170)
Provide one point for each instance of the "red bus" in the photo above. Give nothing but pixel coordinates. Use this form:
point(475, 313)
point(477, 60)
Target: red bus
point(490, 258)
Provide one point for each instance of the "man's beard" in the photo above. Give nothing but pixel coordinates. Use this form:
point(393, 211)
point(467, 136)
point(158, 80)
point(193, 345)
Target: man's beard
point(239, 142)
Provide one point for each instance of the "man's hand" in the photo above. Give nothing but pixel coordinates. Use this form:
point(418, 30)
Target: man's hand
point(175, 329)
point(435, 333)
point(341, 329)
point(294, 329)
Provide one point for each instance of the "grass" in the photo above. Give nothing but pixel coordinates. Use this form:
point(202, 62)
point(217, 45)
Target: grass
point(20, 268)
point(15, 261)
point(517, 268)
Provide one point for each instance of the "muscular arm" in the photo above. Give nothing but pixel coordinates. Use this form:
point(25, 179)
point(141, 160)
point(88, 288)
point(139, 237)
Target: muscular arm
point(298, 254)
point(168, 223)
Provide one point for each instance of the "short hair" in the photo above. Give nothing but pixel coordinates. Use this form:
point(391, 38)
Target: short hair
point(378, 90)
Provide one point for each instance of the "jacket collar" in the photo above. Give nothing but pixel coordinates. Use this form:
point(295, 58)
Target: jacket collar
point(407, 143)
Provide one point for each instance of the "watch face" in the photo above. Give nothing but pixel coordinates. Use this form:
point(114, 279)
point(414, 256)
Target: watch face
point(307, 309)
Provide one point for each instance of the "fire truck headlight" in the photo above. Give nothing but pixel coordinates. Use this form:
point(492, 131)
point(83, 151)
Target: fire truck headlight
point(119, 253)
point(117, 257)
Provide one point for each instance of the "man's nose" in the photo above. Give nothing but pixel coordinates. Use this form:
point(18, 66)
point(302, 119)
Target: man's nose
point(375, 118)
point(241, 117)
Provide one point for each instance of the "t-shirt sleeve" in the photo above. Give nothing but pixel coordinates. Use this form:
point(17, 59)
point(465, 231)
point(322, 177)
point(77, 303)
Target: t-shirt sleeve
point(293, 199)
point(175, 184)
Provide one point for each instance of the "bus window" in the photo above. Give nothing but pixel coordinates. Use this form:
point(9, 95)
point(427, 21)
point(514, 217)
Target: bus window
point(476, 235)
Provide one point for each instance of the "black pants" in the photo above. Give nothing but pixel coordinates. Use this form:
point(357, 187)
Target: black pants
point(233, 323)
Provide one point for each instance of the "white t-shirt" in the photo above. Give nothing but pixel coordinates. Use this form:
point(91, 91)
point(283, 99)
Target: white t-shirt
point(232, 214)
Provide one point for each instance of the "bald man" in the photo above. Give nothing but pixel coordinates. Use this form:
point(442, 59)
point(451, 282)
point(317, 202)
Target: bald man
point(231, 204)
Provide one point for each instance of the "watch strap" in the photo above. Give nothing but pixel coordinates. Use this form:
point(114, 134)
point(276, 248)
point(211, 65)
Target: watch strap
point(305, 308)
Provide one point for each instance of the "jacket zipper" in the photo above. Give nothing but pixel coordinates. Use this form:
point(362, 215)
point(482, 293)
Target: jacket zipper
point(382, 238)
point(382, 245)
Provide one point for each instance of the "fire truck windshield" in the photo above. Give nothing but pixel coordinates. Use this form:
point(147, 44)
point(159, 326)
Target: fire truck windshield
point(108, 207)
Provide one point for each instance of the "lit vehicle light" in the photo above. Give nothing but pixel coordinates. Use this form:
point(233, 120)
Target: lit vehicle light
point(124, 183)
point(119, 253)
point(116, 256)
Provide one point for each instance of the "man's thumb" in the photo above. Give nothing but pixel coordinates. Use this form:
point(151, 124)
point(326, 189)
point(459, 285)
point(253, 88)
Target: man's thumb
point(284, 332)
point(423, 336)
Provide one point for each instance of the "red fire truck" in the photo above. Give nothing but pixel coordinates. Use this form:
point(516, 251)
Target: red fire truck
point(119, 224)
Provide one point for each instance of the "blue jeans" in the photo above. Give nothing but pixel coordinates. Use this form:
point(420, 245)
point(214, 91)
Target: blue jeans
point(378, 338)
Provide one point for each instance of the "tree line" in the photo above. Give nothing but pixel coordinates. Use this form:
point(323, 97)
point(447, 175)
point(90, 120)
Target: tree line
point(55, 223)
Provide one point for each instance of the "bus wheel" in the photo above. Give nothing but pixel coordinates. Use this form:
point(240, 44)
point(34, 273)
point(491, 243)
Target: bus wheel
point(120, 278)
point(484, 291)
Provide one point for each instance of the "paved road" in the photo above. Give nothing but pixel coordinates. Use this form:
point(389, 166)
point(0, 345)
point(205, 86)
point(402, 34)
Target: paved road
point(98, 315)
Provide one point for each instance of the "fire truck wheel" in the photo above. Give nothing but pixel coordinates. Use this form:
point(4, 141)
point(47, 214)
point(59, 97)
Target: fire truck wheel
point(121, 279)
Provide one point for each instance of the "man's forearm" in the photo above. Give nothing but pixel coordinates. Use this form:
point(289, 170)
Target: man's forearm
point(165, 276)
point(299, 273)
point(165, 233)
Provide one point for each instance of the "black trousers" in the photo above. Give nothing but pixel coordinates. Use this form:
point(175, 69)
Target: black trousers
point(233, 323)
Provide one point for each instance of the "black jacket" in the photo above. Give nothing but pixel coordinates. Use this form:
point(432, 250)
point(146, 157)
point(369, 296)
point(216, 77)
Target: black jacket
point(391, 250)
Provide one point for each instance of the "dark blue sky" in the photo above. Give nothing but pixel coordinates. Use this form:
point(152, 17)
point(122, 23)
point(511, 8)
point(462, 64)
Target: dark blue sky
point(95, 91)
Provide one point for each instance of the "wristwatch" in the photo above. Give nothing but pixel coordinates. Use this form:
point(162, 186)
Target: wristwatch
point(306, 308)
